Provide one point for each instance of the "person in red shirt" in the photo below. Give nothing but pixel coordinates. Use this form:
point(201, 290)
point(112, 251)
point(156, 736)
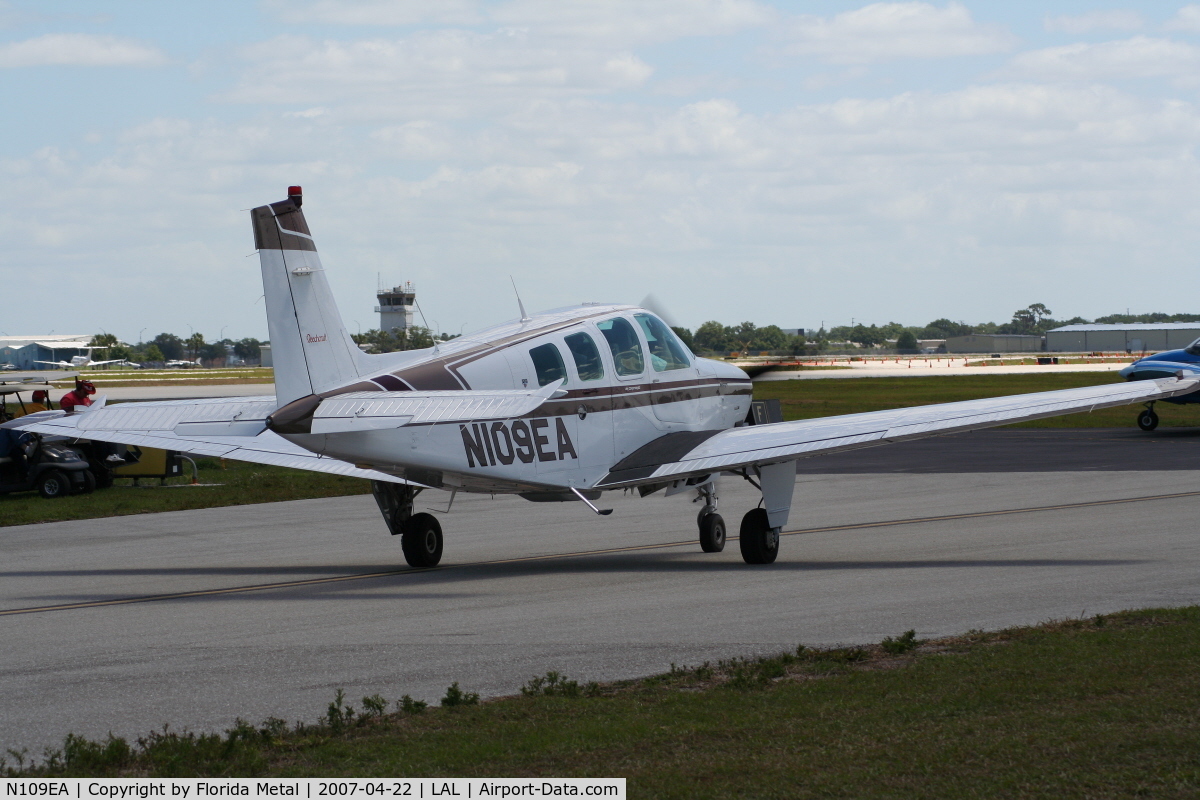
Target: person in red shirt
point(78, 396)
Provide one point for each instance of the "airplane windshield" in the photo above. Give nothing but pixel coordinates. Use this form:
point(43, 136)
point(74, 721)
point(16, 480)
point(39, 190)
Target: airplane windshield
point(1193, 349)
point(623, 341)
point(666, 351)
point(548, 363)
point(587, 357)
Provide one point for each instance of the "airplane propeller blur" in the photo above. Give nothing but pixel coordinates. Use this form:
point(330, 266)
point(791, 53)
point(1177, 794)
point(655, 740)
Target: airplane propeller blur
point(561, 405)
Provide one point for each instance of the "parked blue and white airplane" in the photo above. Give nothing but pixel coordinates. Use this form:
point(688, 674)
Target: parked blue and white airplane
point(1170, 363)
point(558, 406)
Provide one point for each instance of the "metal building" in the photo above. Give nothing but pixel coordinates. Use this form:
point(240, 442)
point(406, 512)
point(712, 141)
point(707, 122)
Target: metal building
point(1134, 337)
point(993, 343)
point(23, 351)
point(396, 307)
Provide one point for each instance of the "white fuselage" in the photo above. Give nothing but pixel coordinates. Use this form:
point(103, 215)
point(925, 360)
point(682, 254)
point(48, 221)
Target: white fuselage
point(618, 395)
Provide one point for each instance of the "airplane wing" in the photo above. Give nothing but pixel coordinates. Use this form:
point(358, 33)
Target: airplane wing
point(102, 363)
point(62, 364)
point(685, 454)
point(219, 428)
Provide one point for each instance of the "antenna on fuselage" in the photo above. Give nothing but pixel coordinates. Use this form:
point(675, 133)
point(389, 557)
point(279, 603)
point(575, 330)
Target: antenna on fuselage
point(422, 313)
point(524, 317)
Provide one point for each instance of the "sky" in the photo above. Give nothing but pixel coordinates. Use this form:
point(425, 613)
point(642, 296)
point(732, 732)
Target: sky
point(782, 163)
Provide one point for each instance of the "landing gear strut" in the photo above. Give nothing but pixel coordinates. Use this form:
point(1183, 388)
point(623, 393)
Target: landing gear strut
point(1148, 420)
point(420, 534)
point(712, 526)
point(759, 534)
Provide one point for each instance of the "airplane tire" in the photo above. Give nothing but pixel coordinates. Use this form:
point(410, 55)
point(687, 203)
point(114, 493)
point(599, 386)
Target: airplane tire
point(759, 544)
point(422, 541)
point(53, 483)
point(1147, 420)
point(712, 533)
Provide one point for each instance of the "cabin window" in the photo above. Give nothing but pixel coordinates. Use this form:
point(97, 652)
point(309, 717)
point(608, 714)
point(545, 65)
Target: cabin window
point(587, 357)
point(1193, 348)
point(548, 363)
point(666, 351)
point(624, 344)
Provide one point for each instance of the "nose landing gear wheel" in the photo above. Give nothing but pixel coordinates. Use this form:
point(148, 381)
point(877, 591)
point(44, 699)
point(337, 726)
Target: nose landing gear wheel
point(712, 533)
point(422, 541)
point(758, 540)
point(1147, 420)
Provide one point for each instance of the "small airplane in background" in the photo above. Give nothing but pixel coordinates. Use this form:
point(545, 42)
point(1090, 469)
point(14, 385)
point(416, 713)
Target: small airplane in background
point(1169, 363)
point(563, 405)
point(181, 364)
point(80, 362)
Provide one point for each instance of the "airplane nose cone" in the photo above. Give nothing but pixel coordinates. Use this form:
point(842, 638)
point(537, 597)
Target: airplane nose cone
point(1127, 371)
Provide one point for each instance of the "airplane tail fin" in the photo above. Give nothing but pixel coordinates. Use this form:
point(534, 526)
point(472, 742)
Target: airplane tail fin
point(311, 349)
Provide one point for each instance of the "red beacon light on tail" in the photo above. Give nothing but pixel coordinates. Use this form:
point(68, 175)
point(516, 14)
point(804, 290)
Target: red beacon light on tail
point(295, 195)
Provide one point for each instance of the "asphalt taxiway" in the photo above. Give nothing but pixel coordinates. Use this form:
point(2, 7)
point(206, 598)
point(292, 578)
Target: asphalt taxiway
point(196, 618)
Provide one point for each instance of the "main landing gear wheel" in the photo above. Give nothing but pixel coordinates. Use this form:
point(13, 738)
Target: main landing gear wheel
point(422, 541)
point(1147, 420)
point(759, 541)
point(712, 532)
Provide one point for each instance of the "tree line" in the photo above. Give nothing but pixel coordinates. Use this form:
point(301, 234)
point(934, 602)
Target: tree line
point(169, 347)
point(1033, 320)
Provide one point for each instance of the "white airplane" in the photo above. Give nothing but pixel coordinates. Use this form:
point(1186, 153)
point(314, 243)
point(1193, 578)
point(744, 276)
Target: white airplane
point(80, 362)
point(557, 406)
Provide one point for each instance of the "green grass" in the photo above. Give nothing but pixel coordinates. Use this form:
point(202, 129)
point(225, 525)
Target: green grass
point(1103, 707)
point(807, 399)
point(239, 482)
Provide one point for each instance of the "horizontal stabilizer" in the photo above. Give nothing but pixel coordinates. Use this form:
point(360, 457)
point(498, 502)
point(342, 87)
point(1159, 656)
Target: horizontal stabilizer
point(159, 425)
point(361, 411)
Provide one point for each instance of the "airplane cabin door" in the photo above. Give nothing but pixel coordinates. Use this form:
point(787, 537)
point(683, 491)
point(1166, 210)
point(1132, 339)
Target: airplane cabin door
point(674, 392)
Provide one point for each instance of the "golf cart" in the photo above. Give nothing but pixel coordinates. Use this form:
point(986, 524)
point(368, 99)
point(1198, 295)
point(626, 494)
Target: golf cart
point(100, 458)
point(53, 469)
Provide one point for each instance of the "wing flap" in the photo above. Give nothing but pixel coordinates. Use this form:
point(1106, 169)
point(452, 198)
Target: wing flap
point(765, 444)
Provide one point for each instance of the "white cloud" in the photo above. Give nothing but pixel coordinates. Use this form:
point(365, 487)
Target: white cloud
point(634, 20)
point(79, 49)
point(884, 31)
point(1186, 19)
point(613, 20)
point(1138, 57)
point(439, 73)
point(1117, 20)
point(377, 12)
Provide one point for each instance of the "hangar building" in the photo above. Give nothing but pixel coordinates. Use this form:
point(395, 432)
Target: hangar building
point(23, 351)
point(1134, 337)
point(993, 343)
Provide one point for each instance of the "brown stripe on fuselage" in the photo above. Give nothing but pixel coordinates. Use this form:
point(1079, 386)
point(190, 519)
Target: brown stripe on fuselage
point(607, 399)
point(431, 376)
point(424, 379)
point(391, 383)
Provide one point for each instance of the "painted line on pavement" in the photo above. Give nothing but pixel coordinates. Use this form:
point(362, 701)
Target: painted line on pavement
point(262, 587)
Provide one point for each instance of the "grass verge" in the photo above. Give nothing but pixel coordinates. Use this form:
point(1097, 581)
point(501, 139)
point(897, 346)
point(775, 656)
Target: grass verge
point(1099, 707)
point(819, 397)
point(234, 484)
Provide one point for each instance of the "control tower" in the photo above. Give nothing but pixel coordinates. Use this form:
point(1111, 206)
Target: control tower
point(396, 307)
